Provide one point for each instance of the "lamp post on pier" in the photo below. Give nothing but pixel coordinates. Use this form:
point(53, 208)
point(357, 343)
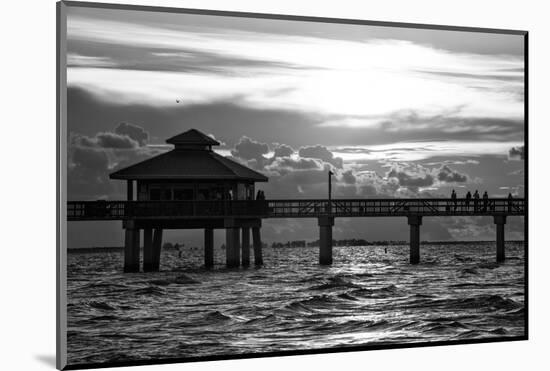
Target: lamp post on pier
point(330, 174)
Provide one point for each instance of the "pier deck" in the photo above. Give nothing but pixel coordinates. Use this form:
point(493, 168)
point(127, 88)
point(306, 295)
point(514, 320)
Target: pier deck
point(240, 216)
point(307, 208)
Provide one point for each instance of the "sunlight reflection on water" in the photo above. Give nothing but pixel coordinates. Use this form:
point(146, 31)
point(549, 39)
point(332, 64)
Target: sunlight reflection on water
point(366, 297)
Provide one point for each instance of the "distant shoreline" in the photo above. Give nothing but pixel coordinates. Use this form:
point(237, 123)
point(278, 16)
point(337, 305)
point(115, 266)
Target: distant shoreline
point(280, 245)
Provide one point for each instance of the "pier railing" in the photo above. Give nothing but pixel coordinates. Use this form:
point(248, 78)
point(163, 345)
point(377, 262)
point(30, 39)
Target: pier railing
point(394, 207)
point(118, 210)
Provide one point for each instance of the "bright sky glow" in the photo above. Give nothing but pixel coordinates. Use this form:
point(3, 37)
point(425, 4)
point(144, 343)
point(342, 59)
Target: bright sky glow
point(359, 82)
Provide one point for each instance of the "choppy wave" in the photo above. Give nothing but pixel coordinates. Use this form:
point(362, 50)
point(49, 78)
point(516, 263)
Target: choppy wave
point(457, 292)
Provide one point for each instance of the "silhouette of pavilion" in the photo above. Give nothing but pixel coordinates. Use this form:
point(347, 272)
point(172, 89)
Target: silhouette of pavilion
point(191, 171)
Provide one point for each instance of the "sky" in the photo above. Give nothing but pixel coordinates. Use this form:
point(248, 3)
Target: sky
point(393, 112)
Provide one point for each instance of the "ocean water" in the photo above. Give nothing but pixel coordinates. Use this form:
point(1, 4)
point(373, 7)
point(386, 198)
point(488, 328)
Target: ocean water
point(367, 297)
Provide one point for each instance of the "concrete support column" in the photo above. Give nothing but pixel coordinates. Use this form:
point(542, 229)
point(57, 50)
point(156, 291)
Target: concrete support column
point(245, 247)
point(500, 221)
point(415, 222)
point(208, 247)
point(157, 246)
point(131, 248)
point(257, 242)
point(232, 247)
point(325, 239)
point(148, 250)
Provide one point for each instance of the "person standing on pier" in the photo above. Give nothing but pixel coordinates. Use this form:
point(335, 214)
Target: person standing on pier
point(510, 202)
point(468, 198)
point(476, 200)
point(485, 201)
point(453, 198)
point(260, 196)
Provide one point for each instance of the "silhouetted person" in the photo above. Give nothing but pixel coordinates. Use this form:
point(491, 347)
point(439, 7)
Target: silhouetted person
point(261, 197)
point(485, 201)
point(468, 199)
point(476, 200)
point(453, 198)
point(510, 202)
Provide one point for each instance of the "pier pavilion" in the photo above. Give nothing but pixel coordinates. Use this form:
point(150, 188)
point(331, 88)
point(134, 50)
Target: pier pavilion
point(192, 175)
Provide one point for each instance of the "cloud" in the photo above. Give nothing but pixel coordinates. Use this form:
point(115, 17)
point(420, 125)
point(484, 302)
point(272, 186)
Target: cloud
point(291, 175)
point(105, 140)
point(135, 132)
point(446, 174)
point(411, 181)
point(513, 76)
point(416, 176)
point(283, 165)
point(230, 121)
point(516, 153)
point(87, 172)
point(248, 149)
point(125, 136)
point(92, 158)
point(306, 72)
point(77, 60)
point(348, 177)
point(322, 153)
point(282, 150)
point(222, 143)
point(113, 140)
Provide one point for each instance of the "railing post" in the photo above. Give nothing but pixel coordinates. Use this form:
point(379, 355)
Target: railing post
point(414, 221)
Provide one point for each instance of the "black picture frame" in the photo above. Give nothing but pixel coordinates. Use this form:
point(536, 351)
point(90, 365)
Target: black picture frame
point(61, 217)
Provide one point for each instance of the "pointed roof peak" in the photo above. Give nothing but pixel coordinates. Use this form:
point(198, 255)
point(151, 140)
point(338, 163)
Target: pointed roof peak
point(192, 137)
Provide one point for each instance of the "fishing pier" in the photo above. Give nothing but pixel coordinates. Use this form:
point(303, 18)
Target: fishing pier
point(192, 187)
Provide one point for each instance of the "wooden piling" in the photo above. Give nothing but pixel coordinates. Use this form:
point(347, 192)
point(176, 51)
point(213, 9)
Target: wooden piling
point(232, 247)
point(131, 248)
point(148, 250)
point(245, 247)
point(157, 246)
point(500, 221)
point(208, 247)
point(257, 242)
point(325, 239)
point(415, 222)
